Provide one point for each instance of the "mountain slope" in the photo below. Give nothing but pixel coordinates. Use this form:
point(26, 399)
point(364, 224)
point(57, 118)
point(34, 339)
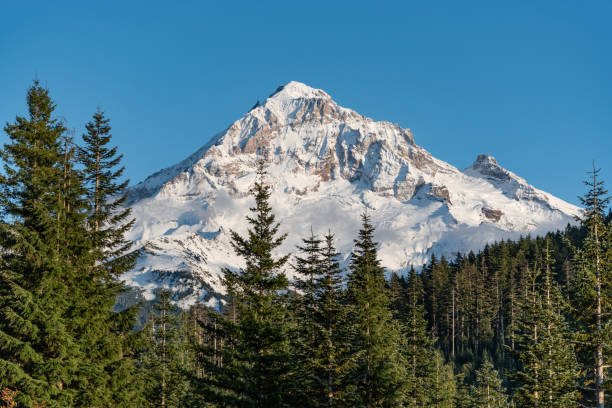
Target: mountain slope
point(327, 164)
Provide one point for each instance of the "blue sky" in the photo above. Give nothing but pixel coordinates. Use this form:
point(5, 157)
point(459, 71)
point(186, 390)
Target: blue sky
point(527, 82)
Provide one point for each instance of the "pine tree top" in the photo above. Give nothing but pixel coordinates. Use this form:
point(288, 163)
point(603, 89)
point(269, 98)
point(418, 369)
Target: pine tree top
point(263, 272)
point(595, 200)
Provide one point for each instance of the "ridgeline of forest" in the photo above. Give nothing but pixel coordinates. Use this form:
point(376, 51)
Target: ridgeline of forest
point(523, 324)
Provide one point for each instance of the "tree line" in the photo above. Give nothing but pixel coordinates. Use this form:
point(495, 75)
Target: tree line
point(524, 323)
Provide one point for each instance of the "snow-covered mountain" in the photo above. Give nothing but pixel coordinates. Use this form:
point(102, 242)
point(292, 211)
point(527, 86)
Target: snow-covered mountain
point(327, 164)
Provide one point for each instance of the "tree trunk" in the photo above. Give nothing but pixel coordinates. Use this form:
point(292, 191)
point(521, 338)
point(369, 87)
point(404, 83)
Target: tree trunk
point(453, 324)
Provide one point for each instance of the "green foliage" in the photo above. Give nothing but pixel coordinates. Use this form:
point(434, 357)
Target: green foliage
point(378, 371)
point(322, 346)
point(488, 391)
point(592, 293)
point(108, 218)
point(164, 358)
point(548, 370)
point(305, 343)
point(333, 330)
point(37, 351)
point(100, 330)
point(62, 345)
point(441, 378)
point(417, 347)
point(256, 365)
point(532, 315)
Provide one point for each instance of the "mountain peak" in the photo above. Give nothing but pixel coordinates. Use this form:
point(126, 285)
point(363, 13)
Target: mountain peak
point(297, 90)
point(325, 163)
point(487, 166)
point(485, 159)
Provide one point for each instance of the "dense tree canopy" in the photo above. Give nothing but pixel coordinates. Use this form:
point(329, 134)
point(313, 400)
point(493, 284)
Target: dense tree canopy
point(520, 323)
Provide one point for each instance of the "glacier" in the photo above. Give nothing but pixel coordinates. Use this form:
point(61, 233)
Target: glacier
point(326, 164)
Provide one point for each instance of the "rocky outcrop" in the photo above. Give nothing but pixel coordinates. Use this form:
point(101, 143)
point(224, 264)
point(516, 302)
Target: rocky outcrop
point(491, 214)
point(326, 165)
point(487, 166)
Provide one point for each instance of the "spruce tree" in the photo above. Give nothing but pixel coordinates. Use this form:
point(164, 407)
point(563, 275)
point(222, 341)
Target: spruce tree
point(215, 371)
point(592, 292)
point(560, 368)
point(39, 357)
point(488, 391)
point(548, 370)
point(165, 381)
point(320, 345)
point(442, 383)
point(437, 280)
point(399, 301)
point(255, 366)
point(109, 219)
point(332, 331)
point(463, 396)
point(529, 350)
point(379, 370)
point(307, 268)
point(104, 332)
point(417, 347)
point(76, 249)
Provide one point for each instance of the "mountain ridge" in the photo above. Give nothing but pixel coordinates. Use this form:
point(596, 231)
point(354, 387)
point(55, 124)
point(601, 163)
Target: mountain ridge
point(326, 163)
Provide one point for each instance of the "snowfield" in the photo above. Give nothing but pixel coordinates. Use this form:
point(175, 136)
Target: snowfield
point(327, 164)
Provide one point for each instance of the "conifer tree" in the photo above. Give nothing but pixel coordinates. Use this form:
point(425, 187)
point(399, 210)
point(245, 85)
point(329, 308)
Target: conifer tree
point(441, 383)
point(108, 219)
point(560, 369)
point(399, 300)
point(216, 371)
point(255, 367)
point(417, 346)
point(166, 384)
point(86, 296)
point(103, 224)
point(529, 338)
point(307, 267)
point(332, 331)
point(548, 372)
point(463, 397)
point(488, 391)
point(592, 291)
point(38, 356)
point(379, 370)
point(437, 280)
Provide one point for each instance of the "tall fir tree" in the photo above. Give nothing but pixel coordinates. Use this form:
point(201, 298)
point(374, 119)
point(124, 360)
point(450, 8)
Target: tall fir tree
point(417, 347)
point(109, 219)
point(528, 348)
point(399, 301)
point(548, 371)
point(307, 269)
point(39, 358)
point(560, 368)
point(76, 249)
point(255, 369)
point(165, 380)
point(441, 380)
point(379, 370)
point(488, 391)
point(217, 368)
point(332, 331)
point(592, 292)
point(105, 332)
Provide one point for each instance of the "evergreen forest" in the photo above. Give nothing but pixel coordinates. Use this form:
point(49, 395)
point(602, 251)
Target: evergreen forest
point(524, 323)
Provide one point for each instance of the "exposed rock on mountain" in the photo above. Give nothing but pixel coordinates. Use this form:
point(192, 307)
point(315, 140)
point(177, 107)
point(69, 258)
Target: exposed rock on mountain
point(327, 164)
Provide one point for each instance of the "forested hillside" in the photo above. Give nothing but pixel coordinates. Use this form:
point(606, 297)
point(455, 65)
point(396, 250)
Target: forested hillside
point(525, 323)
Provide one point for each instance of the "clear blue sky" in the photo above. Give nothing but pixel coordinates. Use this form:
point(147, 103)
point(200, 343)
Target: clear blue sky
point(527, 82)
